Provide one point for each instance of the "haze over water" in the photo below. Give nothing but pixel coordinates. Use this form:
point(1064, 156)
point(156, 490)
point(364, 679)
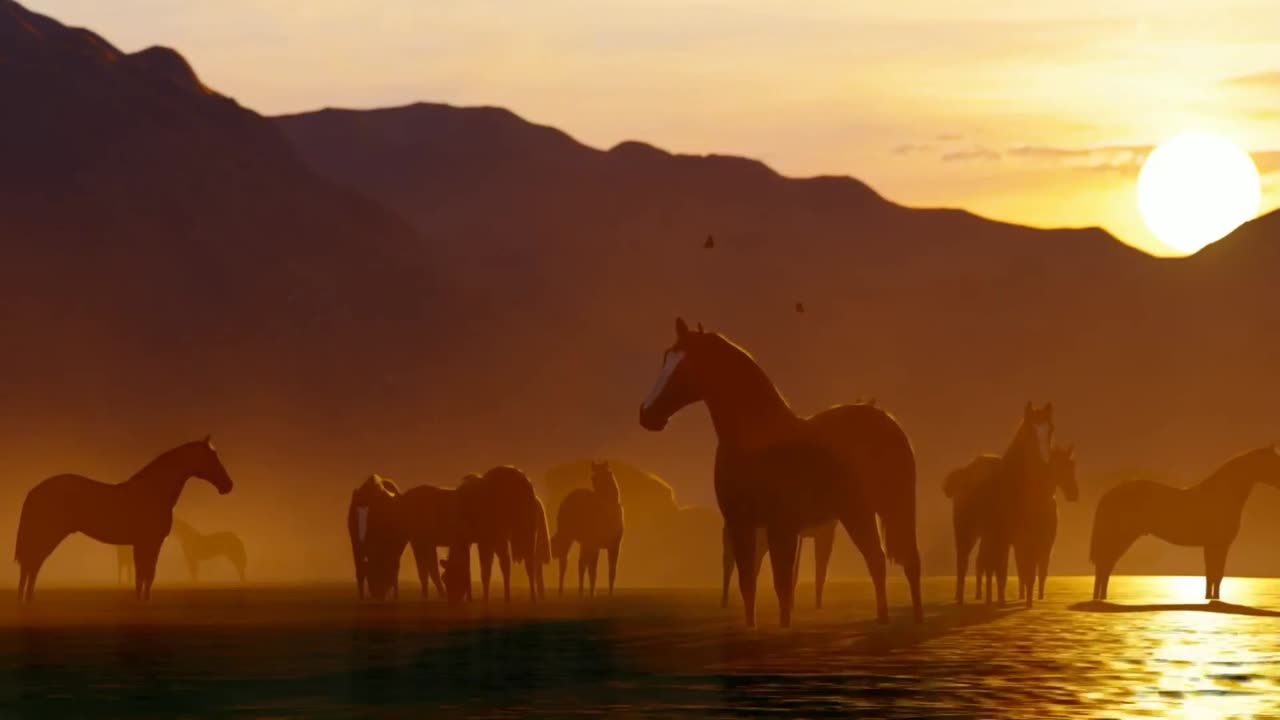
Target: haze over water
point(315, 652)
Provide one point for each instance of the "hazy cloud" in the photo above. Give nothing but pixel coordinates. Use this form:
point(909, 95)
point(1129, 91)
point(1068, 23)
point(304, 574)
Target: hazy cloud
point(909, 148)
point(1263, 79)
point(1268, 161)
point(975, 153)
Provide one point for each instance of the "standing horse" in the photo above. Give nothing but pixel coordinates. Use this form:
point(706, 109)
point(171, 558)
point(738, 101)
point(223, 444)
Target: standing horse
point(824, 539)
point(137, 512)
point(1020, 476)
point(376, 492)
point(971, 490)
point(593, 519)
point(498, 512)
point(1042, 516)
point(784, 473)
point(1205, 515)
point(197, 548)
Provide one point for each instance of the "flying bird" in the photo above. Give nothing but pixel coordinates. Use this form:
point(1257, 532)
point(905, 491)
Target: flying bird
point(799, 307)
point(709, 244)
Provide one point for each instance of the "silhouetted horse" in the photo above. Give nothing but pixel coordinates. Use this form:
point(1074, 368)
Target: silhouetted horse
point(375, 492)
point(197, 548)
point(785, 473)
point(593, 519)
point(1020, 477)
point(498, 512)
point(1205, 515)
point(971, 489)
point(824, 539)
point(1041, 517)
point(137, 512)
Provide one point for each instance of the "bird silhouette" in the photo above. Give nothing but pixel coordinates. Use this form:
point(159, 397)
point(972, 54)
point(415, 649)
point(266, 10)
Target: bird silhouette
point(709, 244)
point(799, 307)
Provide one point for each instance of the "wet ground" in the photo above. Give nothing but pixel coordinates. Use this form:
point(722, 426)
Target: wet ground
point(1157, 650)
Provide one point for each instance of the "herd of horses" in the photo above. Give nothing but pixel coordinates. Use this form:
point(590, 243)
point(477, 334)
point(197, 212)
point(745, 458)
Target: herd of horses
point(778, 478)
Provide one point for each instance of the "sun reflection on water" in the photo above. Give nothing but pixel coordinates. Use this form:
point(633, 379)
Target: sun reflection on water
point(1204, 664)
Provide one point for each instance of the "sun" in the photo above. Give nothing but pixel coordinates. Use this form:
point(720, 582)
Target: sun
point(1196, 188)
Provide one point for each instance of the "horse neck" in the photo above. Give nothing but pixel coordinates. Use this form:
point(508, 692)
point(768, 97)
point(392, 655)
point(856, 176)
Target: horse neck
point(747, 410)
point(163, 479)
point(1231, 484)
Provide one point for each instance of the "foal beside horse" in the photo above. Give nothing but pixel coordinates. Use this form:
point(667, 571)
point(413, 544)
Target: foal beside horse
point(1205, 515)
point(784, 473)
point(593, 519)
point(137, 512)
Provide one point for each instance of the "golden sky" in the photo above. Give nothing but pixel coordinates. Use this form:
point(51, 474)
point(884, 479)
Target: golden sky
point(1033, 113)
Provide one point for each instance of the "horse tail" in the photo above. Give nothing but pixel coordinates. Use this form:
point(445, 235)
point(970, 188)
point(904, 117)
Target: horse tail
point(898, 517)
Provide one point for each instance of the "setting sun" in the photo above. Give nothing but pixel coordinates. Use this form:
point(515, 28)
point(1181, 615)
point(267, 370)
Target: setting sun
point(1196, 188)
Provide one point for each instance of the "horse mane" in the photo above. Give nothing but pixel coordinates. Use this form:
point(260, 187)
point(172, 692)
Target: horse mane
point(741, 365)
point(1244, 467)
point(165, 459)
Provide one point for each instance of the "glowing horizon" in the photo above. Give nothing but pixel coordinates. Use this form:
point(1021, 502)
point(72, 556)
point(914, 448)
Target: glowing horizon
point(1035, 115)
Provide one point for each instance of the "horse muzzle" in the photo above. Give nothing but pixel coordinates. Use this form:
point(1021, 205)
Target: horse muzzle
point(652, 421)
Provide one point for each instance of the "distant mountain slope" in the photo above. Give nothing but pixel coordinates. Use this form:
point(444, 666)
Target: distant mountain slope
point(428, 290)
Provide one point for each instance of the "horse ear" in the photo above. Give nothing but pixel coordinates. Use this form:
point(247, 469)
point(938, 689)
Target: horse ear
point(1027, 410)
point(681, 329)
point(1048, 407)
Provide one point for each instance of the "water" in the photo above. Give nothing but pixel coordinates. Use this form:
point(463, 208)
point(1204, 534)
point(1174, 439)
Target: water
point(316, 653)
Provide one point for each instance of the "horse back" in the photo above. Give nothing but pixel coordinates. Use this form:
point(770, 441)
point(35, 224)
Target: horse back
point(871, 443)
point(106, 512)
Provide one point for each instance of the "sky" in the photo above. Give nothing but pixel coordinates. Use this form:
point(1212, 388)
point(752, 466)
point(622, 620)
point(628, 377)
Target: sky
point(1039, 114)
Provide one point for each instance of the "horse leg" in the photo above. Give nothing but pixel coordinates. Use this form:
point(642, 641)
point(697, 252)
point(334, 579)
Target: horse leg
point(743, 537)
point(593, 563)
point(1042, 572)
point(504, 564)
point(1002, 571)
point(563, 560)
point(727, 560)
point(962, 567)
point(783, 549)
point(614, 548)
point(823, 543)
point(425, 558)
point(486, 568)
point(145, 555)
point(1215, 562)
point(860, 524)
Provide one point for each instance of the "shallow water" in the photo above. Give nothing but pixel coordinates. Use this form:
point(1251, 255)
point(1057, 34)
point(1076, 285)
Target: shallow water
point(317, 653)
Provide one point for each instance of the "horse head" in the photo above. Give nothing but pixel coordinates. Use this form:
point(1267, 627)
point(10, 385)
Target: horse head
point(603, 480)
point(1062, 471)
point(679, 385)
point(1037, 431)
point(209, 468)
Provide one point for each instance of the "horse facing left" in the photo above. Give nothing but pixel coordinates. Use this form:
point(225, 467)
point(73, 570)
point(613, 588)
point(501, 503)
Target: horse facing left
point(137, 512)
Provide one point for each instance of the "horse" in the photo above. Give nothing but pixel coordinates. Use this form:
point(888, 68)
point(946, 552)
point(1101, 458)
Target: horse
point(197, 548)
point(374, 492)
point(1204, 515)
point(1019, 476)
point(776, 470)
point(499, 513)
point(137, 512)
point(593, 519)
point(824, 539)
point(970, 490)
point(1042, 517)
